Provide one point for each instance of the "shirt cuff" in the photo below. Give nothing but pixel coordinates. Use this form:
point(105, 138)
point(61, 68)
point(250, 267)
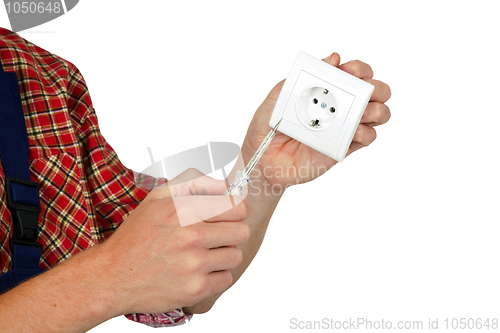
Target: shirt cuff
point(172, 318)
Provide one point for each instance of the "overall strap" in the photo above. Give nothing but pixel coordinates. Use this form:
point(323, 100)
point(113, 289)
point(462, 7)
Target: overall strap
point(22, 194)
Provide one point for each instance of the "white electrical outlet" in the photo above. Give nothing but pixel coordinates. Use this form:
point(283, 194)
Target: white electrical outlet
point(321, 106)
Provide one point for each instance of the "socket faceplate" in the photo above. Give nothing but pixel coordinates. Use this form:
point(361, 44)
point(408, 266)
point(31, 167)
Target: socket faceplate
point(305, 104)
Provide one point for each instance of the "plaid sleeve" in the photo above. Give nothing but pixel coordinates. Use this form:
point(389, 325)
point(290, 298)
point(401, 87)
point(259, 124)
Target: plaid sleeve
point(110, 184)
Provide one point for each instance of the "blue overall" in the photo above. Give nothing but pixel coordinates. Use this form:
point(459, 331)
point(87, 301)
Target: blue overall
point(22, 194)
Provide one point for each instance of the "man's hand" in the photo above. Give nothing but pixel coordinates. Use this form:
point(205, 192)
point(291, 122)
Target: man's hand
point(286, 161)
point(149, 265)
point(157, 265)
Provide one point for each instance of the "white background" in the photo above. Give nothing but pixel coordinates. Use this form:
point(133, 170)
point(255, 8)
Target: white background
point(406, 229)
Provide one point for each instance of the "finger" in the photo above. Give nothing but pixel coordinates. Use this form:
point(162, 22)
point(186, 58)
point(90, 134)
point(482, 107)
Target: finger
point(376, 114)
point(203, 185)
point(194, 209)
point(190, 182)
point(333, 59)
point(194, 182)
point(358, 69)
point(382, 91)
point(221, 234)
point(207, 186)
point(354, 147)
point(239, 212)
point(223, 258)
point(217, 282)
point(187, 175)
point(364, 135)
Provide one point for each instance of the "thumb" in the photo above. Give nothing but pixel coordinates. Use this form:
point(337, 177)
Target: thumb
point(333, 59)
point(190, 182)
point(198, 185)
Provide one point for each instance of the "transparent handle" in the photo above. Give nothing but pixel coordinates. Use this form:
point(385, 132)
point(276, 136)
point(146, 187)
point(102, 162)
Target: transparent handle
point(243, 178)
point(236, 188)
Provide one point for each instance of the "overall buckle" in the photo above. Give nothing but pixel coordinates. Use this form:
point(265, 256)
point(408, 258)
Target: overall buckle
point(24, 204)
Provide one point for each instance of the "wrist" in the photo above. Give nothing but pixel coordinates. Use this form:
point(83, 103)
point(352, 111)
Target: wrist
point(92, 286)
point(116, 283)
point(108, 297)
point(259, 188)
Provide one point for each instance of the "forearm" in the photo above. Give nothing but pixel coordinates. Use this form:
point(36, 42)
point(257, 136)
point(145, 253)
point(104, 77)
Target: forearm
point(68, 298)
point(263, 202)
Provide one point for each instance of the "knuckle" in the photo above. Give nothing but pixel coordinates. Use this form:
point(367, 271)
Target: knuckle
point(190, 238)
point(200, 288)
point(355, 68)
point(196, 290)
point(195, 264)
point(194, 173)
point(360, 69)
point(168, 208)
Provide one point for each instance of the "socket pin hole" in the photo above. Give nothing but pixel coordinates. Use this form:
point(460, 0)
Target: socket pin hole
point(314, 123)
point(315, 101)
point(332, 109)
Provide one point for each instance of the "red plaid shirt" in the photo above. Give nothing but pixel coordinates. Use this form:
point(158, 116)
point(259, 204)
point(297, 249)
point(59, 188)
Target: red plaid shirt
point(85, 191)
